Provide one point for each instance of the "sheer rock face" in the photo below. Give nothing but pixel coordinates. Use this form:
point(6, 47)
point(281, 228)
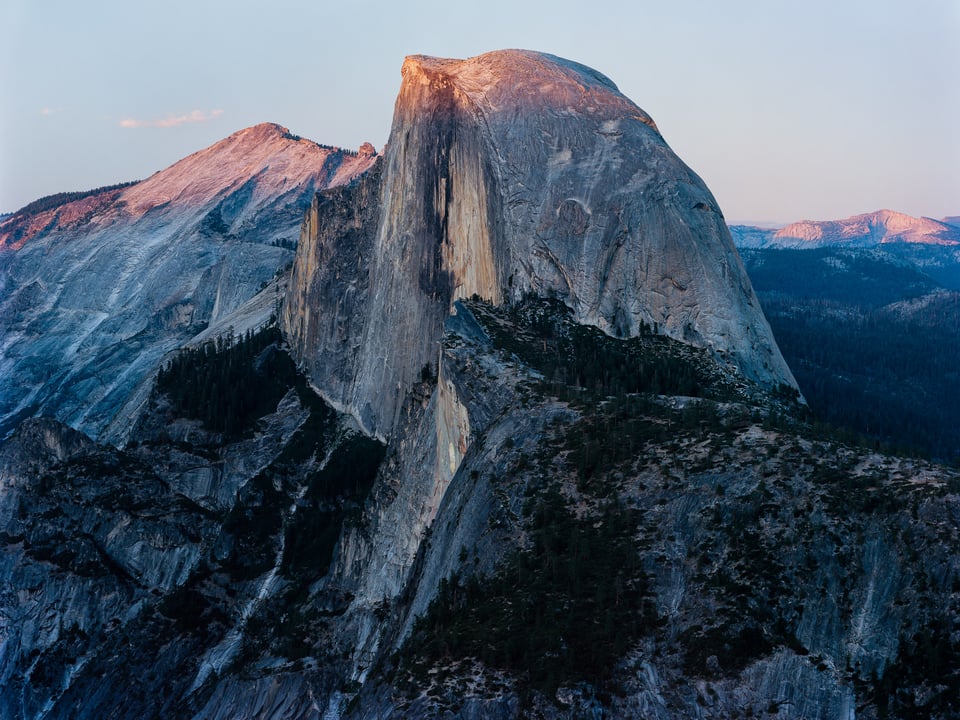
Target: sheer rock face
point(326, 305)
point(514, 172)
point(94, 292)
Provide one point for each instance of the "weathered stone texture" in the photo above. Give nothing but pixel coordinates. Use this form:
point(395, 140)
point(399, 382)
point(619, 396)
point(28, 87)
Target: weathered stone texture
point(509, 173)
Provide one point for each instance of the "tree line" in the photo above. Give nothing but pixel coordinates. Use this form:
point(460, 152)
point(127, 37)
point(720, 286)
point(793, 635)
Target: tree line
point(49, 202)
point(229, 383)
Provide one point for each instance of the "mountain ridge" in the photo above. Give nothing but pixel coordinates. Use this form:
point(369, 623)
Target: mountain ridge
point(872, 229)
point(96, 290)
point(192, 181)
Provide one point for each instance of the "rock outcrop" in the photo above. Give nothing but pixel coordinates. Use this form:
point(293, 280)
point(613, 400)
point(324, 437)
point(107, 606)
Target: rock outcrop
point(95, 291)
point(510, 173)
point(778, 568)
point(140, 568)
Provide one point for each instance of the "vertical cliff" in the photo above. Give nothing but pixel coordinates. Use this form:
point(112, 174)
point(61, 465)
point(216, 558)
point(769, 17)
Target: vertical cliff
point(509, 173)
point(324, 314)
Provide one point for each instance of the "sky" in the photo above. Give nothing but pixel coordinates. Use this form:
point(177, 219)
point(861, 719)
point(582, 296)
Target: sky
point(788, 110)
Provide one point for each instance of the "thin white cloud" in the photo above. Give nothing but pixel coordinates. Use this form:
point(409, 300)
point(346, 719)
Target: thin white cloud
point(48, 111)
point(172, 120)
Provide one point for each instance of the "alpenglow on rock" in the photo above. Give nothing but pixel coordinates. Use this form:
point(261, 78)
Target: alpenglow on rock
point(509, 173)
point(868, 230)
point(94, 291)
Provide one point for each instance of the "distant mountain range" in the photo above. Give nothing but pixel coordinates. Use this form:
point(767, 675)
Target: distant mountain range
point(867, 230)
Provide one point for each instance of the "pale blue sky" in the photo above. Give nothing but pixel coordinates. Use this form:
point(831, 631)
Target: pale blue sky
point(788, 110)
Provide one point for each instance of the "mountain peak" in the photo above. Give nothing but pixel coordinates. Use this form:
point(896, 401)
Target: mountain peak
point(259, 132)
point(865, 230)
point(868, 229)
point(268, 152)
point(185, 247)
point(509, 174)
point(528, 80)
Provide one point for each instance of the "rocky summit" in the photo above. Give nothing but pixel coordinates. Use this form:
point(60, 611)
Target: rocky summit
point(95, 290)
point(520, 444)
point(511, 173)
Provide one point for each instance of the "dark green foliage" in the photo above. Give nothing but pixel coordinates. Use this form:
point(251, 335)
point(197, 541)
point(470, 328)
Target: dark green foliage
point(53, 201)
point(938, 262)
point(614, 433)
point(285, 243)
point(541, 332)
point(308, 527)
point(876, 374)
point(322, 146)
point(427, 375)
point(230, 383)
point(564, 610)
point(846, 491)
point(749, 586)
point(214, 224)
point(336, 491)
point(931, 659)
point(256, 523)
point(860, 278)
point(867, 369)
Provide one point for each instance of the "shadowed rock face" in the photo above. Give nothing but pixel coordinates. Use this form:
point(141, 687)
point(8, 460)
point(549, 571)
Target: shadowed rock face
point(518, 172)
point(325, 308)
point(165, 580)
